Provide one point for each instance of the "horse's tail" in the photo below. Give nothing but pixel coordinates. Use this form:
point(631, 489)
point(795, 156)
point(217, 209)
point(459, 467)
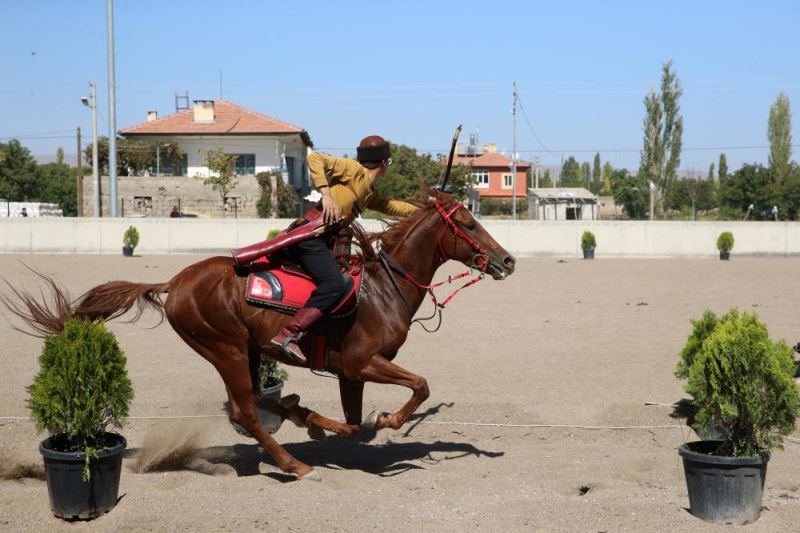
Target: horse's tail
point(110, 300)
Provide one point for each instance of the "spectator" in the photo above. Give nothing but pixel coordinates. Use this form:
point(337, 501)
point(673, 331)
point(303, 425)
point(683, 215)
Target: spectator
point(24, 212)
point(174, 213)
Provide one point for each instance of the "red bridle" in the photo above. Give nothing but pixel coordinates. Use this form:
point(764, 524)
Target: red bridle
point(480, 260)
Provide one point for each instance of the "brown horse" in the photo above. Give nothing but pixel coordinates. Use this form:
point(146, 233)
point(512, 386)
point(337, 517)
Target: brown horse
point(206, 307)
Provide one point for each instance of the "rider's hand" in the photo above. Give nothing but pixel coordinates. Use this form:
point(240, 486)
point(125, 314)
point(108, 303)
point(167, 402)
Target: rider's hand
point(331, 213)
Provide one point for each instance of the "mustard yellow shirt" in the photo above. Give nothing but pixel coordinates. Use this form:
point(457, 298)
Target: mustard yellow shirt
point(350, 186)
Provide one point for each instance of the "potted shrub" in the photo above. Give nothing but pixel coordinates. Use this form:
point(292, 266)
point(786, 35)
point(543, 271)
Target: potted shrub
point(725, 245)
point(270, 385)
point(588, 244)
point(81, 389)
point(742, 384)
point(130, 240)
point(271, 234)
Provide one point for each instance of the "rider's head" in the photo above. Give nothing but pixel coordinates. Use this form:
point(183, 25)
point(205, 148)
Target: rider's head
point(374, 152)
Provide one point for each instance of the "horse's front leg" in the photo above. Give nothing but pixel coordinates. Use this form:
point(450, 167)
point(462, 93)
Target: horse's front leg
point(381, 370)
point(351, 393)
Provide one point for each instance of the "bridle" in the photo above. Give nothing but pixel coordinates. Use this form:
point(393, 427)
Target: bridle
point(480, 262)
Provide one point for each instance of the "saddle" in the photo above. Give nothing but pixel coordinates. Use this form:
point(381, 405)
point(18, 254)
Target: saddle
point(277, 283)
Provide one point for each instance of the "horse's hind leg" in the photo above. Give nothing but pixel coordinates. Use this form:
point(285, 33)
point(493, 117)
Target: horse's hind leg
point(229, 357)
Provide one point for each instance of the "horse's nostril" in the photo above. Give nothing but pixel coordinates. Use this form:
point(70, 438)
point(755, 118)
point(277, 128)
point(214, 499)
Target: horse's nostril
point(509, 261)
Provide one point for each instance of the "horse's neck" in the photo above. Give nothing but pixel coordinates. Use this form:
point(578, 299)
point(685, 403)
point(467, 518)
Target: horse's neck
point(418, 254)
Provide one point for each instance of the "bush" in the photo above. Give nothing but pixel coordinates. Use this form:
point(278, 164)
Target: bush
point(725, 241)
point(743, 383)
point(82, 387)
point(131, 237)
point(271, 234)
point(700, 330)
point(288, 202)
point(270, 374)
point(588, 241)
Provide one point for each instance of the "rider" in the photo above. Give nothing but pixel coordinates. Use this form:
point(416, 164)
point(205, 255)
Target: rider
point(347, 188)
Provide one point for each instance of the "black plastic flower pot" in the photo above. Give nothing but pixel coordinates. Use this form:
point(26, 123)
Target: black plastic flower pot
point(723, 489)
point(588, 253)
point(724, 255)
point(268, 419)
point(127, 251)
point(73, 498)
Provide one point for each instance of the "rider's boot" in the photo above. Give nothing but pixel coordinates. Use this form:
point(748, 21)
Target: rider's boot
point(292, 332)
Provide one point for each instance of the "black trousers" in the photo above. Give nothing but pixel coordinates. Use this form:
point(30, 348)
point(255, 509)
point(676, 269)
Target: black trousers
point(316, 258)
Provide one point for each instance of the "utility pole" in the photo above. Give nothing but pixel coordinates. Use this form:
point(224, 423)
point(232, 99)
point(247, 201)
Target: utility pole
point(112, 114)
point(514, 157)
point(80, 176)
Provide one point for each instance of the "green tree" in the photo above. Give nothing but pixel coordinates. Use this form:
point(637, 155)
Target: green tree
point(59, 155)
point(780, 138)
point(58, 185)
point(663, 132)
point(221, 176)
point(410, 169)
point(722, 170)
point(102, 155)
point(608, 171)
point(711, 172)
point(597, 174)
point(750, 185)
point(18, 179)
point(586, 170)
point(570, 173)
point(545, 180)
point(631, 192)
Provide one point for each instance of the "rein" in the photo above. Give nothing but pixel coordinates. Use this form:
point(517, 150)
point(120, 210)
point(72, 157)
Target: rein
point(480, 262)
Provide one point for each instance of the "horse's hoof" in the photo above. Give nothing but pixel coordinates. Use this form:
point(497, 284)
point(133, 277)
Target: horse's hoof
point(371, 422)
point(317, 433)
point(312, 475)
point(287, 402)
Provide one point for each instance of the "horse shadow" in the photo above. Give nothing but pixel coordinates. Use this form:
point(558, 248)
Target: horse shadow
point(387, 459)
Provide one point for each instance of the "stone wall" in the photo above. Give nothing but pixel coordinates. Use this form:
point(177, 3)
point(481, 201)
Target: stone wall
point(155, 197)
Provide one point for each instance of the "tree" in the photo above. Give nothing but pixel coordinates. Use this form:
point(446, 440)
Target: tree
point(750, 185)
point(722, 170)
point(545, 180)
point(59, 155)
point(631, 192)
point(663, 132)
point(58, 185)
point(711, 172)
point(570, 174)
point(597, 174)
point(608, 171)
point(779, 132)
point(409, 170)
point(102, 154)
point(18, 179)
point(586, 169)
point(221, 177)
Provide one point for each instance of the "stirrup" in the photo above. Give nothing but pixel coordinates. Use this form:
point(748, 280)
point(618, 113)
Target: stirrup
point(300, 359)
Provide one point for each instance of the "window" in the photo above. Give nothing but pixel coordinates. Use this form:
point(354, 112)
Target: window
point(142, 204)
point(507, 181)
point(481, 179)
point(245, 164)
point(574, 213)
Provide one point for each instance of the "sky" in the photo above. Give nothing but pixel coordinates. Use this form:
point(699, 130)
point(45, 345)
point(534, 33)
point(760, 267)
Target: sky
point(412, 70)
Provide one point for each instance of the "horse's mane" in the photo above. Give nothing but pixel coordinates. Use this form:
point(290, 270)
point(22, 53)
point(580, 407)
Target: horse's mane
point(396, 230)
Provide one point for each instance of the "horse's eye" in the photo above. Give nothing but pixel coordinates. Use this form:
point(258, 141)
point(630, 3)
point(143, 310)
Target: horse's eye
point(470, 226)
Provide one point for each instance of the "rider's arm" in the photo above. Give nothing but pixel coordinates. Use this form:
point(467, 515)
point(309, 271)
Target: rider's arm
point(395, 208)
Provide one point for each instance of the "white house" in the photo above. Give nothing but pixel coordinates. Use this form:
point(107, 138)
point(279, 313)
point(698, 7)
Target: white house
point(568, 203)
point(261, 142)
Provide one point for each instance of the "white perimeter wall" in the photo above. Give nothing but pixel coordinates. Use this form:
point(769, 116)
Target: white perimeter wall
point(522, 238)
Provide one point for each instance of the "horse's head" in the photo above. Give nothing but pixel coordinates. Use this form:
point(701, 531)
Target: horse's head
point(462, 238)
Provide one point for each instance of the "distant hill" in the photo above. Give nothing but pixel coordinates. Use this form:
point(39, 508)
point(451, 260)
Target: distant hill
point(69, 159)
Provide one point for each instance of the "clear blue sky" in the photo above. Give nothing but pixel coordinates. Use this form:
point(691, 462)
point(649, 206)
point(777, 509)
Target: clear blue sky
point(413, 70)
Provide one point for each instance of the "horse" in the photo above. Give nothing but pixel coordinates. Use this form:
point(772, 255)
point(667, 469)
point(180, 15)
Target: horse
point(206, 306)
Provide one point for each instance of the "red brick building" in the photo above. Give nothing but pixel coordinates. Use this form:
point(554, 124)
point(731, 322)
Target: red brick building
point(493, 176)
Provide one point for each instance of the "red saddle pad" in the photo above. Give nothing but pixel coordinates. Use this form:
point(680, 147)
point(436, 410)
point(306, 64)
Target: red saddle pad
point(281, 287)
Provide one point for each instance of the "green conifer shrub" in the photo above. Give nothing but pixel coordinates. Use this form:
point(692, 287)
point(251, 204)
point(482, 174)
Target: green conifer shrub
point(588, 241)
point(131, 237)
point(743, 382)
point(82, 387)
point(725, 241)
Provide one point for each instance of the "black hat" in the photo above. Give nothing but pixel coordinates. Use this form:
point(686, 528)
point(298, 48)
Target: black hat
point(373, 149)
